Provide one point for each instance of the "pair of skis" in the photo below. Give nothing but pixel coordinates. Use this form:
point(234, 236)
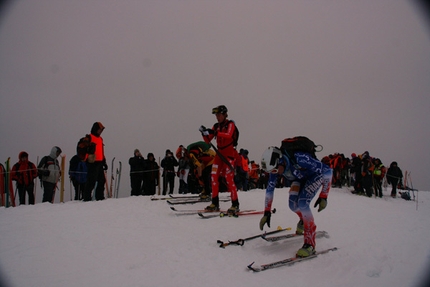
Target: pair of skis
point(284, 262)
point(6, 188)
point(235, 214)
point(202, 212)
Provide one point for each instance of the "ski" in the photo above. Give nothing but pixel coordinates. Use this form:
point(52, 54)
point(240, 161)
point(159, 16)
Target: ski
point(236, 214)
point(2, 185)
point(8, 186)
point(288, 261)
point(175, 197)
point(227, 214)
point(241, 241)
point(318, 234)
point(192, 200)
point(118, 179)
point(197, 211)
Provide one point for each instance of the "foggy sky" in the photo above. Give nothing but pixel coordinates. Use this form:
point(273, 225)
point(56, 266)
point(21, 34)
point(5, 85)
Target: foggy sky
point(353, 76)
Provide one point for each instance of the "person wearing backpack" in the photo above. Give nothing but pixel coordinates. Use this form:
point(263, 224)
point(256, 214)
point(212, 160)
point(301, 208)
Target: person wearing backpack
point(201, 160)
point(226, 134)
point(307, 175)
point(49, 172)
point(394, 176)
point(24, 172)
point(78, 175)
point(96, 163)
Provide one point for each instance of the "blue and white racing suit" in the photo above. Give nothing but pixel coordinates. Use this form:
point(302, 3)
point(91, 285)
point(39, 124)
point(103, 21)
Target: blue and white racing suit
point(307, 177)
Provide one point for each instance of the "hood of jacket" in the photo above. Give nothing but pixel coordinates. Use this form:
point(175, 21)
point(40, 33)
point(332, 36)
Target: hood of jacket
point(96, 127)
point(54, 151)
point(21, 155)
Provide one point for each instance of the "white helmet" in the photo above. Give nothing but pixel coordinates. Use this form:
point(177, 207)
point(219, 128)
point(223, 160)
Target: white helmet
point(270, 158)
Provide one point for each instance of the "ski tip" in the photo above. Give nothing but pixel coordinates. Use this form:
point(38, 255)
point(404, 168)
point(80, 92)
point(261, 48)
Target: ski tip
point(252, 268)
point(173, 208)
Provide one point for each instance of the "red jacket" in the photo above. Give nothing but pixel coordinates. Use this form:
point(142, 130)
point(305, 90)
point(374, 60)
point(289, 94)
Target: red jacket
point(224, 138)
point(24, 171)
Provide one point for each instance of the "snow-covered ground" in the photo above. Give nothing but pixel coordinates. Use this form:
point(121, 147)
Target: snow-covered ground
point(138, 242)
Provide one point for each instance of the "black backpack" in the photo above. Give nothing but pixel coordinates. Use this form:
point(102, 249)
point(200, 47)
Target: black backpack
point(85, 147)
point(299, 143)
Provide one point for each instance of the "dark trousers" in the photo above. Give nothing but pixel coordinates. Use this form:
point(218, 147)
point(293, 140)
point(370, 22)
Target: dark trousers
point(79, 189)
point(95, 175)
point(168, 179)
point(378, 187)
point(22, 189)
point(136, 181)
point(149, 187)
point(48, 191)
point(394, 183)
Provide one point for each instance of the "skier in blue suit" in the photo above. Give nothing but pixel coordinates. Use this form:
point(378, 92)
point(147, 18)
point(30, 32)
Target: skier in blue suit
point(307, 175)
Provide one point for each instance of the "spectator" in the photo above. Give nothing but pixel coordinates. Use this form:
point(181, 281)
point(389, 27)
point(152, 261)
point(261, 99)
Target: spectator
point(78, 175)
point(378, 176)
point(49, 171)
point(96, 163)
point(183, 169)
point(24, 172)
point(168, 164)
point(151, 175)
point(136, 172)
point(367, 168)
point(356, 173)
point(394, 177)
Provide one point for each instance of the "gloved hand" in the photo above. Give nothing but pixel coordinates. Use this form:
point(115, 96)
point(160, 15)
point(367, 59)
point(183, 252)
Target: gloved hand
point(202, 129)
point(322, 202)
point(265, 219)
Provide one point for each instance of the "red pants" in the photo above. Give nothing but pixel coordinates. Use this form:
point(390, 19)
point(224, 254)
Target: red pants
point(219, 167)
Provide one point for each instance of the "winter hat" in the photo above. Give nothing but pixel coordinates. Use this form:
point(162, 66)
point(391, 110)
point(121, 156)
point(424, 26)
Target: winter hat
point(353, 155)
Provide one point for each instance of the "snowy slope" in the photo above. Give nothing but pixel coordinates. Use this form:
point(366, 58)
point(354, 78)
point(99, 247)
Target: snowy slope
point(138, 242)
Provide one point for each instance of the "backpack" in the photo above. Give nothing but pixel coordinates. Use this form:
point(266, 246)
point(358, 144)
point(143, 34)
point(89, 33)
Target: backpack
point(299, 143)
point(85, 147)
point(81, 172)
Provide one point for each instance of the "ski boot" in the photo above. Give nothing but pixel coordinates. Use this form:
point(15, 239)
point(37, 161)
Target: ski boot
point(214, 206)
point(306, 251)
point(300, 228)
point(234, 209)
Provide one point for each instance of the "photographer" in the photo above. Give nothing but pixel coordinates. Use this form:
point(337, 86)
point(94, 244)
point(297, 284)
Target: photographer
point(168, 164)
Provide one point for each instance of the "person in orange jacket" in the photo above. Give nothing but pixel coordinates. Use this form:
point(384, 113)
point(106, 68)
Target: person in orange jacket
point(96, 163)
point(24, 172)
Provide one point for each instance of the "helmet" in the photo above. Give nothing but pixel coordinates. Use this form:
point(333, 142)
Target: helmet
point(220, 109)
point(270, 158)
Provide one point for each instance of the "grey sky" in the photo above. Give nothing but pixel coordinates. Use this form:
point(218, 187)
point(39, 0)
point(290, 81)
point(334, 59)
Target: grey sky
point(351, 75)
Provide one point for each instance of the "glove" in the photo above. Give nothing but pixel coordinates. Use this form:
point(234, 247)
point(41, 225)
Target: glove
point(265, 219)
point(105, 166)
point(205, 133)
point(322, 202)
point(202, 129)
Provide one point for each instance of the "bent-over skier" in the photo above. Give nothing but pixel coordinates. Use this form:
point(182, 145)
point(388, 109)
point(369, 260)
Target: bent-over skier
point(307, 175)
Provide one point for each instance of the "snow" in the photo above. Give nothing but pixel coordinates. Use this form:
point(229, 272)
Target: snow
point(138, 242)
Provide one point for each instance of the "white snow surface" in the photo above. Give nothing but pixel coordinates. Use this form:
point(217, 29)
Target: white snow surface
point(134, 241)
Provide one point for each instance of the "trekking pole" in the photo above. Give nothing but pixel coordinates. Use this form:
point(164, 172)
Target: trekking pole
point(223, 158)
